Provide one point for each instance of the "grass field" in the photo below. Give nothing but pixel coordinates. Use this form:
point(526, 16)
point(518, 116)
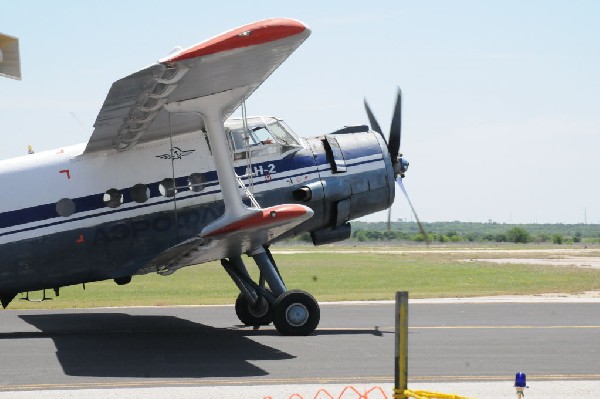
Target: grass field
point(334, 273)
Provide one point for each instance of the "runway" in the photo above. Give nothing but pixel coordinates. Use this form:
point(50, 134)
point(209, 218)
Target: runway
point(354, 344)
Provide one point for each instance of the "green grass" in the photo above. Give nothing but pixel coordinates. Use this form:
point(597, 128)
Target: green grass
point(333, 276)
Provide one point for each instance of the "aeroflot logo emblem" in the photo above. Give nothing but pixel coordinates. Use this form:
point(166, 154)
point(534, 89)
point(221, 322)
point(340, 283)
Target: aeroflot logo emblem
point(178, 153)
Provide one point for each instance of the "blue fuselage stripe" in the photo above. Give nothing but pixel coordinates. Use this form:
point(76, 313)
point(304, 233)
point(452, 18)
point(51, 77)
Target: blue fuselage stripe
point(95, 202)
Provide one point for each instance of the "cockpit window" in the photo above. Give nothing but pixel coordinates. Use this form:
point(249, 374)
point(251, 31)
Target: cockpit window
point(262, 135)
point(260, 131)
point(282, 133)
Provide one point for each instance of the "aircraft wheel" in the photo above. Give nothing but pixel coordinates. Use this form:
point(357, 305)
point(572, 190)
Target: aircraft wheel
point(253, 315)
point(296, 313)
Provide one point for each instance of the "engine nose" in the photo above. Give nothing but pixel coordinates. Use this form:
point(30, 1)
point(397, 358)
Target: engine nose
point(360, 161)
point(401, 167)
point(356, 178)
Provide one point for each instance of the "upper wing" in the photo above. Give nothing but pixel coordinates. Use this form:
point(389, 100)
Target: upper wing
point(240, 59)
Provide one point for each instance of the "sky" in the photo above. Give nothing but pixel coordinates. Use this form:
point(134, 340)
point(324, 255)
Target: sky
point(501, 99)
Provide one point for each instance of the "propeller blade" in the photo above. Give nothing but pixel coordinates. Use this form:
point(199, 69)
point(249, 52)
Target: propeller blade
point(372, 121)
point(396, 129)
point(389, 219)
point(421, 229)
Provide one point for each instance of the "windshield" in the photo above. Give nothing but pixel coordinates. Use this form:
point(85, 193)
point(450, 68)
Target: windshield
point(261, 131)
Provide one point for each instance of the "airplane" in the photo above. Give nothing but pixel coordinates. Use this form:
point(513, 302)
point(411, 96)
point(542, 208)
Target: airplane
point(168, 179)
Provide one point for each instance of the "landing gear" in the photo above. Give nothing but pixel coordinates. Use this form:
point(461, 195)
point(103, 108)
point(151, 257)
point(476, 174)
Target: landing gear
point(292, 312)
point(296, 313)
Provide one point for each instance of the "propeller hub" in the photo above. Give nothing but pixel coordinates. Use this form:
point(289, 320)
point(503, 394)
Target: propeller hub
point(401, 166)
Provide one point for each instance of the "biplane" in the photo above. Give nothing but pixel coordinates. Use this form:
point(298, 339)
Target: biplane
point(168, 179)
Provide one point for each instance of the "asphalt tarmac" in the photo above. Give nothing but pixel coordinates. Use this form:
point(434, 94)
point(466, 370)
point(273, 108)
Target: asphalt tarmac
point(205, 347)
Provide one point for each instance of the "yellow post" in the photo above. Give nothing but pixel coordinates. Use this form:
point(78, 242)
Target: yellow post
point(401, 369)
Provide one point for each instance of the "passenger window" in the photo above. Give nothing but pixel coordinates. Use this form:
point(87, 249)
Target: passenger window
point(167, 187)
point(65, 207)
point(140, 193)
point(113, 198)
point(196, 182)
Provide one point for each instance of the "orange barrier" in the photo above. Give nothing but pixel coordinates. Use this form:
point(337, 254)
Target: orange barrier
point(348, 392)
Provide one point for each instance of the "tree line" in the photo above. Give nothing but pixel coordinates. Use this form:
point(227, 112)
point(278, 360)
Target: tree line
point(478, 232)
point(448, 232)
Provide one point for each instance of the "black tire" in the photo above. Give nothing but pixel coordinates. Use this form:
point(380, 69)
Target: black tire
point(296, 313)
point(249, 315)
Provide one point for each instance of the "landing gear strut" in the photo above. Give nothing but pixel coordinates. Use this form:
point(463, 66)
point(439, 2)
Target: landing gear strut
point(293, 312)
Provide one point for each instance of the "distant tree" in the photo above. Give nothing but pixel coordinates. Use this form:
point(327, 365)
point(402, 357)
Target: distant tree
point(400, 235)
point(500, 237)
point(374, 235)
point(557, 239)
point(360, 235)
point(542, 237)
point(577, 237)
point(305, 237)
point(488, 237)
point(391, 235)
point(418, 237)
point(518, 235)
point(471, 237)
point(456, 238)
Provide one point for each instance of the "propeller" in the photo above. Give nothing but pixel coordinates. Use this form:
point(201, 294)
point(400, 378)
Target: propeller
point(399, 164)
point(421, 228)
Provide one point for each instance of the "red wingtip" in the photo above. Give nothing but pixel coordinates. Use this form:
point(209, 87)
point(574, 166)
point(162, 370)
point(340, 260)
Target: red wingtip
point(260, 32)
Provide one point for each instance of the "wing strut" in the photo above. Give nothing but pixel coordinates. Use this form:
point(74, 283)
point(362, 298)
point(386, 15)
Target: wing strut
point(248, 150)
point(211, 110)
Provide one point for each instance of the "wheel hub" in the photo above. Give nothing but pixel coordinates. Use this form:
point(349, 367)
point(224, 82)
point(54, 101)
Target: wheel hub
point(296, 314)
point(259, 309)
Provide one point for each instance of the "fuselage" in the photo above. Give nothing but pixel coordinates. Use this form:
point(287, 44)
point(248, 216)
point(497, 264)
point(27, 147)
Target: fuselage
point(69, 217)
